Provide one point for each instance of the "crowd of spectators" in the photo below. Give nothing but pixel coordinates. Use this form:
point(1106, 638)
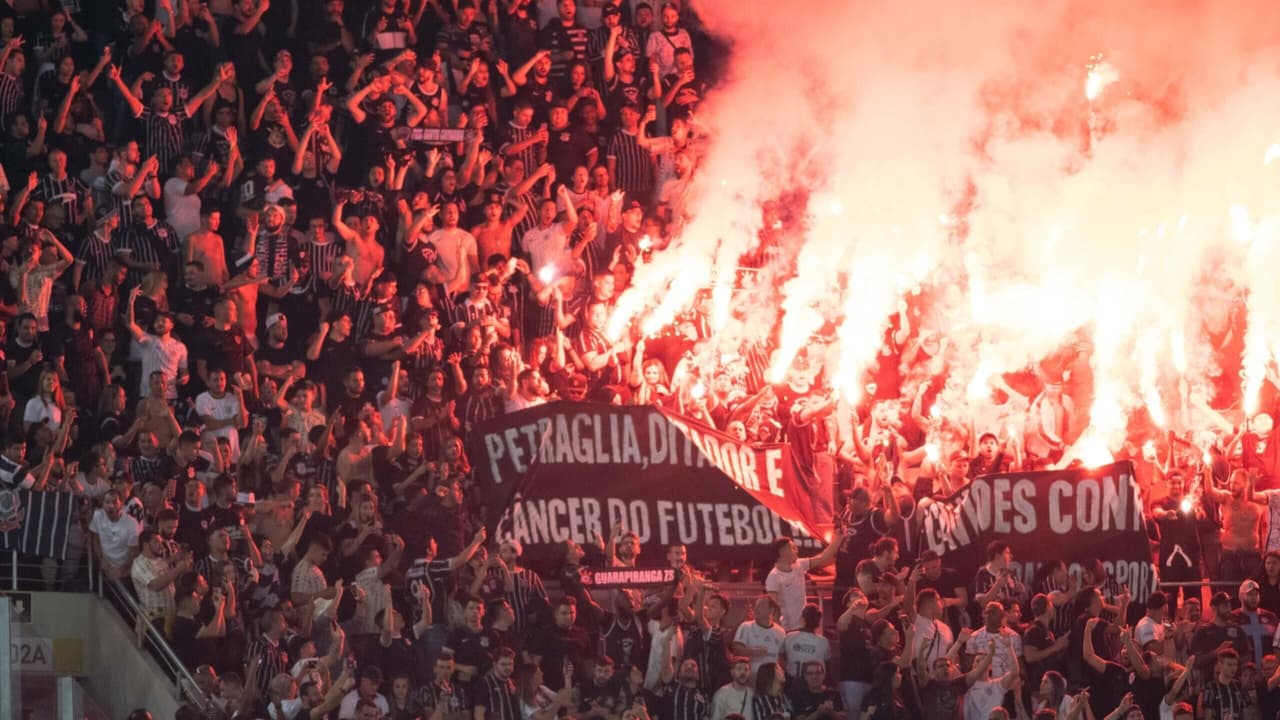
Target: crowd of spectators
point(266, 265)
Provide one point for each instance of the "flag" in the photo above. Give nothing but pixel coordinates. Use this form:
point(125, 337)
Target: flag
point(43, 522)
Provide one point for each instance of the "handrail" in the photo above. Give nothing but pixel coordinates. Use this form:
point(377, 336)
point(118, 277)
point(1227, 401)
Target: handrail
point(184, 681)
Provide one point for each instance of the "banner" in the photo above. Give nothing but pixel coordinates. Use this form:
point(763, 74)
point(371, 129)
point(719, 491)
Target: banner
point(1069, 515)
point(570, 471)
point(37, 523)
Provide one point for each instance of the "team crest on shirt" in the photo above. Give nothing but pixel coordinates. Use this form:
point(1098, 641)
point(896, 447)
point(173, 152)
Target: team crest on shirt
point(10, 509)
point(484, 642)
point(173, 119)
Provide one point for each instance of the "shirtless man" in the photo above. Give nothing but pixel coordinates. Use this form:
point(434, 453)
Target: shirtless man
point(206, 246)
point(1241, 525)
point(155, 415)
point(493, 236)
point(362, 244)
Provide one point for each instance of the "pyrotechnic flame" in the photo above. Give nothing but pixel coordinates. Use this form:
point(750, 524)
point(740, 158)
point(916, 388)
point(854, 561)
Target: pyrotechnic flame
point(698, 391)
point(547, 274)
point(1185, 505)
point(1022, 236)
point(645, 244)
point(1101, 74)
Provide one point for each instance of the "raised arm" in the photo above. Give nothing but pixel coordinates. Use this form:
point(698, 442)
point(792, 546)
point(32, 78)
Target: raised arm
point(135, 105)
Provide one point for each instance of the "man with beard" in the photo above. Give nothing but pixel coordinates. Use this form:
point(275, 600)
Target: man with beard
point(663, 45)
point(1218, 633)
point(159, 351)
point(456, 253)
point(273, 247)
point(625, 40)
point(1240, 546)
point(373, 137)
point(736, 696)
point(162, 123)
point(481, 402)
point(192, 302)
point(226, 347)
point(495, 697)
point(536, 92)
point(275, 357)
point(1258, 625)
point(114, 535)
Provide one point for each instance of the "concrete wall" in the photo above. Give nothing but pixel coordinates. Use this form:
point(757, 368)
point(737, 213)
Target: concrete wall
point(117, 674)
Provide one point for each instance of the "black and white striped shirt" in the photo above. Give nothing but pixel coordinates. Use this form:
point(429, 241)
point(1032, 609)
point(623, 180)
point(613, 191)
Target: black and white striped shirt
point(68, 192)
point(95, 252)
point(497, 697)
point(163, 135)
point(14, 475)
point(634, 169)
point(685, 703)
point(527, 593)
point(156, 244)
point(323, 257)
point(272, 661)
point(13, 97)
point(767, 707)
point(514, 135)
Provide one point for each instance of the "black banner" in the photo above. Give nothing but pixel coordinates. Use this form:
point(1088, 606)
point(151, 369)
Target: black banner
point(570, 471)
point(1069, 515)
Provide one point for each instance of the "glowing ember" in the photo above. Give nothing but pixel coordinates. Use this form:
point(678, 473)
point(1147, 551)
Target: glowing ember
point(1101, 74)
point(1185, 505)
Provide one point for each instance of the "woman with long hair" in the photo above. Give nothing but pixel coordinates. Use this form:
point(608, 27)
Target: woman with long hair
point(1268, 578)
point(112, 410)
point(770, 702)
point(1052, 694)
point(653, 385)
point(581, 89)
point(537, 701)
point(47, 404)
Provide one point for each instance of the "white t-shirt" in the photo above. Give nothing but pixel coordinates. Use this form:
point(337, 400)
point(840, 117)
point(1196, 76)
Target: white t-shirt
point(545, 245)
point(37, 409)
point(983, 697)
point(1148, 630)
point(788, 587)
point(347, 708)
point(770, 638)
point(226, 407)
point(801, 646)
point(181, 210)
point(166, 355)
point(116, 537)
point(1001, 663)
point(933, 636)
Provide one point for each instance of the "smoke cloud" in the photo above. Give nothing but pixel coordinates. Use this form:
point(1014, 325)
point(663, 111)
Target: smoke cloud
point(953, 144)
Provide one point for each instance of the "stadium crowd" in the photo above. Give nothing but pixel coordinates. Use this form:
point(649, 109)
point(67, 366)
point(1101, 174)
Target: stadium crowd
point(266, 265)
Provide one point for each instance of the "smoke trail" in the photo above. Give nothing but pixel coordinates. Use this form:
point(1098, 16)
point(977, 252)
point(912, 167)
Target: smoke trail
point(956, 140)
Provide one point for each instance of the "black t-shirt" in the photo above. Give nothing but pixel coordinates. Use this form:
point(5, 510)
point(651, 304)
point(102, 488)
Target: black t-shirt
point(192, 651)
point(227, 349)
point(805, 702)
point(1106, 688)
point(556, 645)
point(942, 700)
point(855, 652)
point(472, 647)
point(1179, 536)
point(858, 536)
point(1041, 638)
point(24, 385)
point(567, 149)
